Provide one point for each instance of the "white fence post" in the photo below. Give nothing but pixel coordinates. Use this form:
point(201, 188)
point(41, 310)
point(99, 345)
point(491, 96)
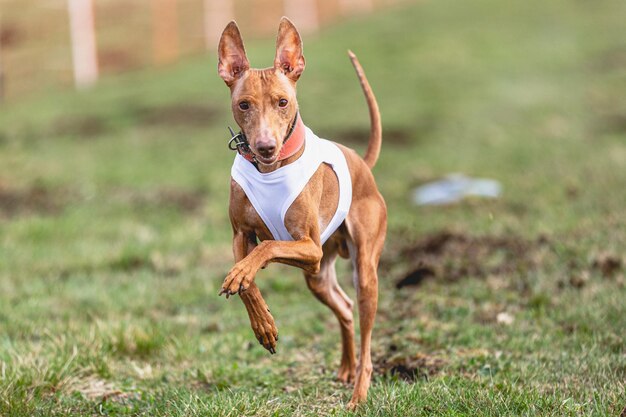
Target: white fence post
point(303, 13)
point(82, 31)
point(217, 14)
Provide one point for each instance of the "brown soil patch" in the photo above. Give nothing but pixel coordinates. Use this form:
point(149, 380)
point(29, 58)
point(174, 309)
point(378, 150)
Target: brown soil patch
point(608, 264)
point(162, 264)
point(411, 368)
point(611, 60)
point(396, 136)
point(450, 256)
point(80, 126)
point(185, 201)
point(416, 277)
point(611, 123)
point(27, 201)
point(182, 114)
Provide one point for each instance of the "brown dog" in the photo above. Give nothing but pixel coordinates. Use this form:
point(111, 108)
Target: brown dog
point(264, 106)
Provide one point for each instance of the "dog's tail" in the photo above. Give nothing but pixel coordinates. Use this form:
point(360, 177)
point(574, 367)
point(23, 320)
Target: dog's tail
point(376, 131)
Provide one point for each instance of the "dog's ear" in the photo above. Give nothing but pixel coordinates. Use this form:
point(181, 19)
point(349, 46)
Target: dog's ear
point(232, 55)
point(289, 58)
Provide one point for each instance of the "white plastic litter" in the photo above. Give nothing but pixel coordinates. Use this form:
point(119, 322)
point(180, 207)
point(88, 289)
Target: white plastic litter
point(454, 188)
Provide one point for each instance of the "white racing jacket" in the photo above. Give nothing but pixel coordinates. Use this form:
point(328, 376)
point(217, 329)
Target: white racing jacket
point(273, 193)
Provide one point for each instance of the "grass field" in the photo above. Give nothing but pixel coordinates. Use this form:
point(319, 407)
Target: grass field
point(114, 234)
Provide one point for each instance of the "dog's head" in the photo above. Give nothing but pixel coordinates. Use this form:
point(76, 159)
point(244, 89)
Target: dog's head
point(263, 100)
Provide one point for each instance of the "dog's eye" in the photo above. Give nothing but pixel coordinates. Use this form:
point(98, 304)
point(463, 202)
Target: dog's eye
point(244, 105)
point(282, 102)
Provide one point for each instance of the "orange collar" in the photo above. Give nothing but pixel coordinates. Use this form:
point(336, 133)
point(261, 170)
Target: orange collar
point(291, 144)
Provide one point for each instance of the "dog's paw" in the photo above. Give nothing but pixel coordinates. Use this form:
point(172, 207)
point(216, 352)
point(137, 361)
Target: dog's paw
point(346, 373)
point(352, 406)
point(238, 279)
point(265, 331)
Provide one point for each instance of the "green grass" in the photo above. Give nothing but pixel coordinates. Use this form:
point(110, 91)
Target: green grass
point(114, 234)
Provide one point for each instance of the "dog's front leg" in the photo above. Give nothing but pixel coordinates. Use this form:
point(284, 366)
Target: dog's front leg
point(261, 319)
point(304, 253)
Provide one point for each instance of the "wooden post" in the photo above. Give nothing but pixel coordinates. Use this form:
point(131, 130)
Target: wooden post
point(164, 31)
point(82, 31)
point(303, 13)
point(356, 6)
point(217, 14)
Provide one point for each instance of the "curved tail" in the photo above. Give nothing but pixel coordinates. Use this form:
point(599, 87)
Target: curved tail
point(376, 133)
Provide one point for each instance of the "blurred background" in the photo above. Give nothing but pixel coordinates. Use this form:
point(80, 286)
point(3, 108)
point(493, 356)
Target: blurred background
point(503, 167)
point(40, 39)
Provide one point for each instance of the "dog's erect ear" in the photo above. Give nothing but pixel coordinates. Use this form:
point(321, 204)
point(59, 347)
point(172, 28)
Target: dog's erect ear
point(289, 58)
point(232, 55)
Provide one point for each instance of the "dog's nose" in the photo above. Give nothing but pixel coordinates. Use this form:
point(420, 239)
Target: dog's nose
point(266, 149)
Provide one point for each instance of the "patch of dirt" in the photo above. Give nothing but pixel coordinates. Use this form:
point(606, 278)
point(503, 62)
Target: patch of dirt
point(451, 256)
point(128, 263)
point(578, 279)
point(611, 123)
point(416, 277)
point(80, 126)
point(608, 264)
point(185, 201)
point(163, 264)
point(395, 136)
point(27, 201)
point(409, 368)
point(181, 114)
point(613, 59)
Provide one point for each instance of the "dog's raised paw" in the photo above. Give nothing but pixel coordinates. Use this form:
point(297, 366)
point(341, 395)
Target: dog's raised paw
point(238, 280)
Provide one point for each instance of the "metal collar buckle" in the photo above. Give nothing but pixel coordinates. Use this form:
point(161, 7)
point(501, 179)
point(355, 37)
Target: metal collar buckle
point(238, 140)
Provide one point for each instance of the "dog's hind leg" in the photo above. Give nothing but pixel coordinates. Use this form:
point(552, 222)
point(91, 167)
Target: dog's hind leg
point(325, 287)
point(365, 245)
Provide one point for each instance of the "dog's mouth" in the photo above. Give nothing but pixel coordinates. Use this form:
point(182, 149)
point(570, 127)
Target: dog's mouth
point(265, 156)
point(266, 160)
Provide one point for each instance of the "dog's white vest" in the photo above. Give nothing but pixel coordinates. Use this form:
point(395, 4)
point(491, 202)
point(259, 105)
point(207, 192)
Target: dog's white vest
point(272, 193)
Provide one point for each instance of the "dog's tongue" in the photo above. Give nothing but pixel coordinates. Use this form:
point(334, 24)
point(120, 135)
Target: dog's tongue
point(295, 141)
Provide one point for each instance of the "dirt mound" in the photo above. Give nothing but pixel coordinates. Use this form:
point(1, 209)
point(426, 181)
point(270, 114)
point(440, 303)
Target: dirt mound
point(27, 201)
point(87, 126)
point(181, 114)
point(411, 368)
point(451, 256)
point(184, 200)
point(396, 136)
point(608, 264)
